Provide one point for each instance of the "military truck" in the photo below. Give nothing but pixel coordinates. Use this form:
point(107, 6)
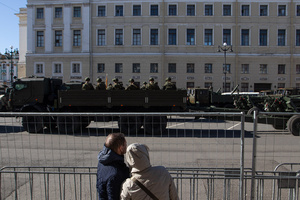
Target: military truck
point(51, 95)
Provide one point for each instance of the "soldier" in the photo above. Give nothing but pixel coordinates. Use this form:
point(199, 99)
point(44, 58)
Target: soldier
point(169, 85)
point(132, 86)
point(87, 85)
point(109, 87)
point(117, 85)
point(151, 85)
point(144, 87)
point(100, 85)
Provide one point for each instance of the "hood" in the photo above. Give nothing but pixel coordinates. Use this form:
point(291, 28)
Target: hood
point(107, 156)
point(137, 157)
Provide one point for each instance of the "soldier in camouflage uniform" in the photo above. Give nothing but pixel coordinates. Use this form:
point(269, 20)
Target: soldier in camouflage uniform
point(117, 85)
point(144, 87)
point(109, 87)
point(87, 85)
point(100, 85)
point(132, 86)
point(151, 85)
point(169, 85)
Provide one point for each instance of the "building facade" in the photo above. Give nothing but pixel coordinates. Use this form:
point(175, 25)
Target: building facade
point(162, 38)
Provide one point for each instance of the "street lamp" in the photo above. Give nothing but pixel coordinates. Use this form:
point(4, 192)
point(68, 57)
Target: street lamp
point(9, 55)
point(225, 48)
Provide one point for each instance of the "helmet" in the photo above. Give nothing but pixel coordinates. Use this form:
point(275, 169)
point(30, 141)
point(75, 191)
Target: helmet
point(115, 80)
point(131, 80)
point(151, 79)
point(168, 79)
point(99, 79)
point(144, 82)
point(87, 79)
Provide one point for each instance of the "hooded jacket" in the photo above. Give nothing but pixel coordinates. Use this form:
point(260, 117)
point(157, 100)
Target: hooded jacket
point(156, 179)
point(111, 173)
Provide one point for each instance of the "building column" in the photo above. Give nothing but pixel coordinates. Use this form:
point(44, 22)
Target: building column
point(48, 31)
point(30, 31)
point(67, 34)
point(86, 27)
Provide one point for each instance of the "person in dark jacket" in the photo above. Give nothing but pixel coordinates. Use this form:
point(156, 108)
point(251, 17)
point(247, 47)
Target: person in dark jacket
point(112, 171)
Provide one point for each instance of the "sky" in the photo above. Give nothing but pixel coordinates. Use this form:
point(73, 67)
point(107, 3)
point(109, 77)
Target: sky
point(9, 34)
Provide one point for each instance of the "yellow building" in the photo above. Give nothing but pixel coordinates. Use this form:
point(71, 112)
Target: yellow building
point(178, 39)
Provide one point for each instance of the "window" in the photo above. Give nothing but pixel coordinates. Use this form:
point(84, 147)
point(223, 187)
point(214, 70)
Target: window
point(190, 68)
point(297, 69)
point(172, 68)
point(281, 69)
point(245, 37)
point(58, 38)
point(298, 37)
point(227, 36)
point(101, 11)
point(136, 10)
point(39, 68)
point(190, 10)
point(57, 68)
point(172, 37)
point(40, 13)
point(154, 37)
point(136, 37)
point(58, 12)
point(244, 87)
point(281, 85)
point(226, 10)
point(190, 36)
point(77, 12)
point(190, 85)
point(245, 69)
point(208, 37)
point(227, 87)
point(263, 11)
point(40, 38)
point(118, 68)
point(208, 10)
point(298, 85)
point(154, 10)
point(153, 67)
point(245, 10)
point(263, 37)
point(298, 10)
point(226, 68)
point(136, 68)
point(101, 68)
point(75, 68)
point(208, 68)
point(119, 11)
point(101, 37)
point(281, 37)
point(208, 85)
point(76, 38)
point(281, 10)
point(172, 10)
point(119, 37)
point(263, 69)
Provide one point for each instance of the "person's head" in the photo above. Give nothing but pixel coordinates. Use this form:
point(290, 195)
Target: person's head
point(131, 80)
point(115, 80)
point(137, 157)
point(168, 79)
point(99, 80)
point(151, 80)
point(145, 83)
point(87, 79)
point(116, 142)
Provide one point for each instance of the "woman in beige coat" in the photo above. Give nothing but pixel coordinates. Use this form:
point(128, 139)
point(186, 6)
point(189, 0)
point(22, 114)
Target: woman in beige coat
point(156, 179)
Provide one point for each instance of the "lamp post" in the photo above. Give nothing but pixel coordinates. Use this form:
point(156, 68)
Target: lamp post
point(9, 55)
point(225, 48)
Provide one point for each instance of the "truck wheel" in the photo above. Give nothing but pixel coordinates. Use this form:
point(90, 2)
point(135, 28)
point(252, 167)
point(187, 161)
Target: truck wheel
point(130, 125)
point(293, 125)
point(33, 124)
point(155, 124)
point(68, 124)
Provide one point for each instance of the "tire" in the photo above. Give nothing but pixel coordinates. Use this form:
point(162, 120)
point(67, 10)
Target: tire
point(33, 124)
point(155, 125)
point(68, 124)
point(130, 125)
point(293, 125)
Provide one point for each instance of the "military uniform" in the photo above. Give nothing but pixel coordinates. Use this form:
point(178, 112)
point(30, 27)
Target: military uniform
point(132, 86)
point(144, 87)
point(151, 85)
point(100, 85)
point(117, 85)
point(109, 87)
point(87, 85)
point(169, 85)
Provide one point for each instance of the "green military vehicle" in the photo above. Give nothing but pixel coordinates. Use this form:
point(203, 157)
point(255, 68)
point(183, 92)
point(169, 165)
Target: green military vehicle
point(51, 95)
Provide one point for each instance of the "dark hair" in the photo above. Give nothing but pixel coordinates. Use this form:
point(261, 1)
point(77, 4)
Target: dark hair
point(114, 141)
